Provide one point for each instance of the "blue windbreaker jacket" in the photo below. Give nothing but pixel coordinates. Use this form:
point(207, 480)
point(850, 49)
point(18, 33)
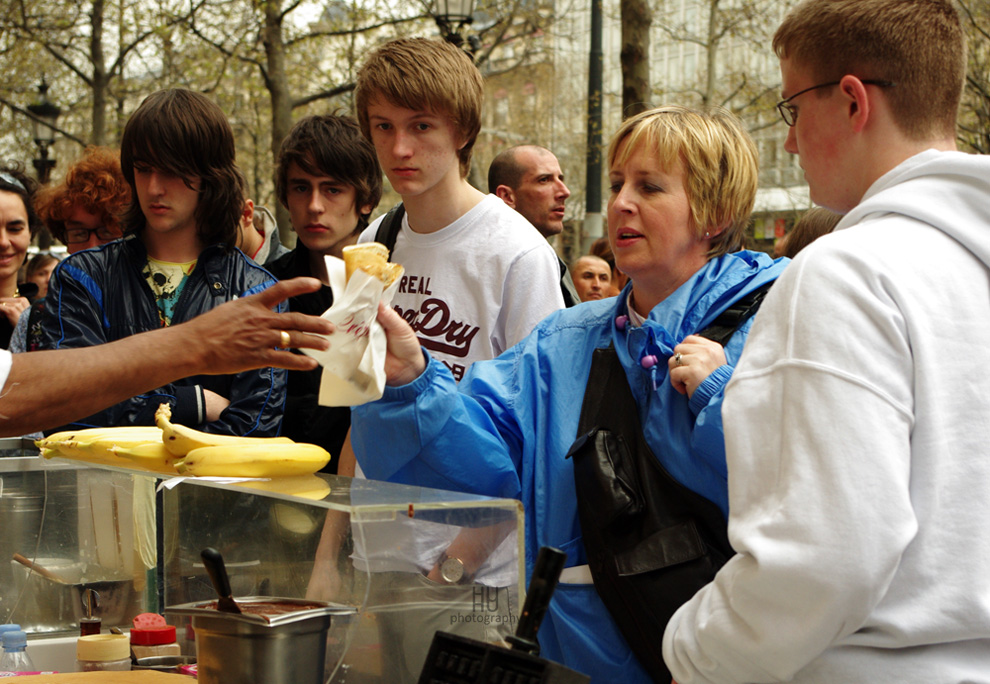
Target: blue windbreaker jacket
point(506, 429)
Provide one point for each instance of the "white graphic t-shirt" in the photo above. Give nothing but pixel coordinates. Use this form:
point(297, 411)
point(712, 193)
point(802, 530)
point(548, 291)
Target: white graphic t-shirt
point(476, 287)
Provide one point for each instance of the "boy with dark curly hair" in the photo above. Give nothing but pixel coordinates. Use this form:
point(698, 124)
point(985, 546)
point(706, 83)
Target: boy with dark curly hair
point(328, 178)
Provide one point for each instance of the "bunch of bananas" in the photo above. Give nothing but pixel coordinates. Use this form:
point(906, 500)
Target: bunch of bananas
point(177, 449)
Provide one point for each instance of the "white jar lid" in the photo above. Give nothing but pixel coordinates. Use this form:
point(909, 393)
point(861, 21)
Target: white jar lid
point(103, 647)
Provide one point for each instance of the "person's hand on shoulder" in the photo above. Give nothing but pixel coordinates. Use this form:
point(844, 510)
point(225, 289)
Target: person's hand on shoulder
point(694, 360)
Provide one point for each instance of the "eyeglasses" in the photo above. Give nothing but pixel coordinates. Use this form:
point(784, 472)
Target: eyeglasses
point(75, 236)
point(789, 112)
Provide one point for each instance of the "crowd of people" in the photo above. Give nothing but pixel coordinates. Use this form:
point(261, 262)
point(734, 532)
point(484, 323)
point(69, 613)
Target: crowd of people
point(759, 469)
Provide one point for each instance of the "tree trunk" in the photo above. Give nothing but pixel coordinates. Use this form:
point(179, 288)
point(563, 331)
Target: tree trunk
point(100, 77)
point(711, 56)
point(277, 84)
point(636, 17)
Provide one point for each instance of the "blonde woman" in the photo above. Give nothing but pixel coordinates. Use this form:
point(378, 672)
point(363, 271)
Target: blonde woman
point(682, 186)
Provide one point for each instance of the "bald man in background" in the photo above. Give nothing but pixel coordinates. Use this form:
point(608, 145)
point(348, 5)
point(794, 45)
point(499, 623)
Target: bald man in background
point(528, 179)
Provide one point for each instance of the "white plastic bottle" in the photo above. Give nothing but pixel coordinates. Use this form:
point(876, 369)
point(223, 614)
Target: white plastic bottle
point(15, 657)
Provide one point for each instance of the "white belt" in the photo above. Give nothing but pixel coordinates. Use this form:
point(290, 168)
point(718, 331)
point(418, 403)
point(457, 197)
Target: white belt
point(579, 574)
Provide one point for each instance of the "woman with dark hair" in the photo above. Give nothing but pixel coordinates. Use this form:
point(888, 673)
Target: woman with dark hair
point(18, 224)
point(82, 211)
point(177, 260)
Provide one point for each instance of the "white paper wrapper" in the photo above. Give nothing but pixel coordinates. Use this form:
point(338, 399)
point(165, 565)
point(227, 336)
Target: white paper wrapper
point(354, 365)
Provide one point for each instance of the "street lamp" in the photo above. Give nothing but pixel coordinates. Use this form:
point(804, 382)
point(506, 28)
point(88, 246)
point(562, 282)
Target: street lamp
point(453, 15)
point(45, 115)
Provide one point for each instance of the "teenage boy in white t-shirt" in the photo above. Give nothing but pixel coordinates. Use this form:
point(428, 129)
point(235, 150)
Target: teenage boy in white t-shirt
point(477, 276)
point(477, 279)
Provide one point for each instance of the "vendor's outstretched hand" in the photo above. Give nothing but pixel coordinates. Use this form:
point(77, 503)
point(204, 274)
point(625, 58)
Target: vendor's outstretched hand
point(245, 333)
point(404, 360)
point(694, 360)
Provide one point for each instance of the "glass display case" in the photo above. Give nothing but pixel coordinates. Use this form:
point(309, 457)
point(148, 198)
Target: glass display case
point(408, 560)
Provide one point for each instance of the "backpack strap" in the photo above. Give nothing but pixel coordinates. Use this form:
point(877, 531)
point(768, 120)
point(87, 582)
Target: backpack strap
point(723, 327)
point(388, 229)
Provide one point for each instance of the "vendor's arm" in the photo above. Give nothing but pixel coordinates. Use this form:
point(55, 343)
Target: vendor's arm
point(51, 388)
point(249, 403)
point(820, 512)
point(75, 317)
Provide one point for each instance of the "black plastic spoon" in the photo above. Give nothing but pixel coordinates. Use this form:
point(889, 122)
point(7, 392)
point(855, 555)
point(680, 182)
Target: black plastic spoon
point(218, 575)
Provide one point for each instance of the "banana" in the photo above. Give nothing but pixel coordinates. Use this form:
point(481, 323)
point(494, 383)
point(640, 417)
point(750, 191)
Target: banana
point(151, 456)
point(96, 445)
point(147, 433)
point(180, 439)
point(254, 460)
point(76, 452)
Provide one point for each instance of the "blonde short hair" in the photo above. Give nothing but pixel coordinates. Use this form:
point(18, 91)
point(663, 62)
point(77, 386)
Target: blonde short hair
point(424, 74)
point(721, 166)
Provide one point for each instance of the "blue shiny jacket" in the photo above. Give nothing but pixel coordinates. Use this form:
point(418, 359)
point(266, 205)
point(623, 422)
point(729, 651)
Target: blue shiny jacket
point(505, 430)
point(100, 295)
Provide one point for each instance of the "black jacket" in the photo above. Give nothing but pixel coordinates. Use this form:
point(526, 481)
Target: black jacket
point(305, 419)
point(100, 295)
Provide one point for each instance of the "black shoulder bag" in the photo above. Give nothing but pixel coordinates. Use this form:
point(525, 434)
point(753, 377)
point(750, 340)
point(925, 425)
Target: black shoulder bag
point(651, 542)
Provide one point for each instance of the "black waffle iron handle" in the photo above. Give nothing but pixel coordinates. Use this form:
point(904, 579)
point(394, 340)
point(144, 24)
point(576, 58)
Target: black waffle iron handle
point(542, 584)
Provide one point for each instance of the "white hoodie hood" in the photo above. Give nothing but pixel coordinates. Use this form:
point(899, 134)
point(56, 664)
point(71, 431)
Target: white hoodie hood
point(948, 190)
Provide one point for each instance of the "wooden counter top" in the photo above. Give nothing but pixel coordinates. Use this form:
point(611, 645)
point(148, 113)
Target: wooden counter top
point(135, 677)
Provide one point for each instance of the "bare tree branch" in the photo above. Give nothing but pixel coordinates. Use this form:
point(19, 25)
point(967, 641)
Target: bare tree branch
point(323, 95)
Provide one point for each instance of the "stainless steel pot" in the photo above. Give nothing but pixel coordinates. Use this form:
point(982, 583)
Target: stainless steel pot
point(289, 648)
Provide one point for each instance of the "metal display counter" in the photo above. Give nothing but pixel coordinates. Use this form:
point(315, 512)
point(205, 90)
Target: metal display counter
point(135, 537)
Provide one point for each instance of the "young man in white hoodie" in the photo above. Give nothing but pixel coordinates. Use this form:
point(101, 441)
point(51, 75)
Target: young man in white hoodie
point(857, 420)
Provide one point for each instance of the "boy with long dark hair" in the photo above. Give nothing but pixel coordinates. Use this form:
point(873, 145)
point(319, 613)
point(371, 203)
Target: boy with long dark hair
point(177, 260)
